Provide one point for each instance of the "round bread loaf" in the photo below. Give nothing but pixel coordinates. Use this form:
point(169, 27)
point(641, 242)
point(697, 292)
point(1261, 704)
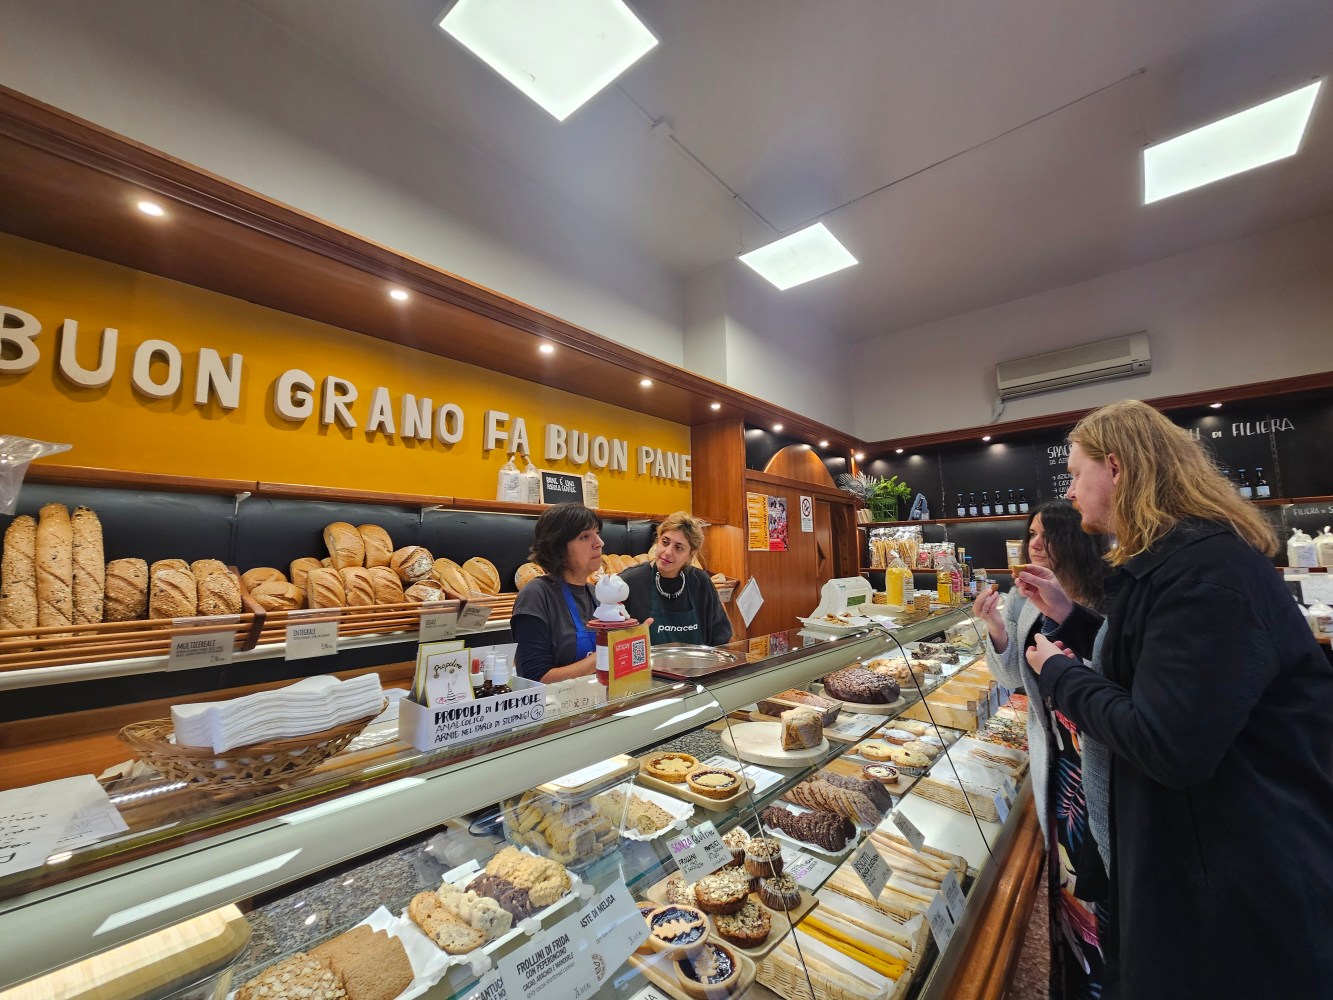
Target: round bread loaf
point(528, 572)
point(327, 563)
point(173, 593)
point(252, 578)
point(324, 589)
point(344, 544)
point(126, 590)
point(388, 588)
point(300, 569)
point(277, 595)
point(358, 588)
point(419, 593)
point(485, 573)
point(412, 563)
point(455, 582)
point(202, 568)
point(219, 594)
point(378, 546)
point(441, 564)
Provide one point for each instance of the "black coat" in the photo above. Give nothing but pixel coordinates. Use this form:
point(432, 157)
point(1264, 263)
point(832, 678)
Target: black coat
point(1217, 704)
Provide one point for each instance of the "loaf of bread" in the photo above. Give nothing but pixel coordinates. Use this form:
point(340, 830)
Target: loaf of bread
point(278, 595)
point(300, 568)
point(327, 563)
point(388, 588)
point(358, 588)
point(426, 590)
point(173, 593)
point(220, 594)
point(324, 589)
point(345, 546)
point(455, 582)
point(377, 544)
point(252, 578)
point(89, 566)
point(162, 564)
point(485, 574)
point(18, 580)
point(202, 568)
point(55, 567)
point(412, 563)
point(441, 564)
point(126, 590)
point(528, 572)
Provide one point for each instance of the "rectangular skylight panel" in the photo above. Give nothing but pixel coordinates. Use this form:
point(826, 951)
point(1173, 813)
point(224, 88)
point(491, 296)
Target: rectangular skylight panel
point(560, 53)
point(803, 256)
point(1261, 134)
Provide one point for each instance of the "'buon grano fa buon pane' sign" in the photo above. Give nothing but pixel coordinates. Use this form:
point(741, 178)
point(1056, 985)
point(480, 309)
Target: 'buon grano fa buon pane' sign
point(158, 371)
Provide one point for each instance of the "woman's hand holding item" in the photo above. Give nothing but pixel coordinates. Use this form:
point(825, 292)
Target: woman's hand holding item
point(987, 608)
point(1039, 585)
point(1043, 650)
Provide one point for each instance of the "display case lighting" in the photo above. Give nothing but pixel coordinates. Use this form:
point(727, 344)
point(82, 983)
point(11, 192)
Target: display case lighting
point(1215, 406)
point(823, 444)
point(898, 451)
point(985, 437)
point(777, 428)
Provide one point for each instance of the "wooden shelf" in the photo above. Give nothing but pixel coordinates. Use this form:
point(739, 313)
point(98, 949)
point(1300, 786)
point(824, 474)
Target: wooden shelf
point(943, 520)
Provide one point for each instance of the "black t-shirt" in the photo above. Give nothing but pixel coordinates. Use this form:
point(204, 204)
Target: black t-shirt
point(543, 628)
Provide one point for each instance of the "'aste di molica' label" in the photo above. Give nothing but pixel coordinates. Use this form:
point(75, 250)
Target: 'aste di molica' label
point(430, 728)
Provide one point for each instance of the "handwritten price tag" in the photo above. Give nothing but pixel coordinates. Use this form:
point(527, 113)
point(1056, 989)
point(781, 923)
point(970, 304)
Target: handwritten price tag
point(700, 852)
point(871, 869)
point(909, 830)
point(307, 639)
point(807, 871)
point(473, 617)
point(205, 649)
point(942, 922)
point(953, 896)
point(1001, 807)
point(437, 625)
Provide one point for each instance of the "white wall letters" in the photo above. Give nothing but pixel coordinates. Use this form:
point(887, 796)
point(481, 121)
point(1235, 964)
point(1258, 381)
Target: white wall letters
point(17, 332)
point(87, 378)
point(143, 369)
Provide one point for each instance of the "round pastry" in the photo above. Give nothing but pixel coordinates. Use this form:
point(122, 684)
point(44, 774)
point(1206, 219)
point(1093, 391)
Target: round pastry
point(748, 927)
point(679, 891)
point(672, 767)
point(724, 891)
point(677, 931)
point(646, 911)
point(780, 893)
point(714, 782)
point(763, 857)
point(922, 746)
point(876, 750)
point(898, 736)
point(911, 726)
point(711, 974)
point(932, 738)
point(903, 758)
point(885, 773)
point(736, 839)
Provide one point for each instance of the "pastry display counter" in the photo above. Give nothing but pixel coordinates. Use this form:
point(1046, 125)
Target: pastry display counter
point(382, 824)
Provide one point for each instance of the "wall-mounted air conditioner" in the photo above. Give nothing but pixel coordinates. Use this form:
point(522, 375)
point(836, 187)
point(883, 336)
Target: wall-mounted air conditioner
point(1118, 357)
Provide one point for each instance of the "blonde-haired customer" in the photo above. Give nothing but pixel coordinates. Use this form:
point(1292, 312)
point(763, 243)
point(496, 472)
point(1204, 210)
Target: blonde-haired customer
point(679, 598)
point(1217, 706)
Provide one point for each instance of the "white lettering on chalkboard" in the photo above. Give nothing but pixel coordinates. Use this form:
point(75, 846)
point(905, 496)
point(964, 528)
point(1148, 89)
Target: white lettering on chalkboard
point(1269, 426)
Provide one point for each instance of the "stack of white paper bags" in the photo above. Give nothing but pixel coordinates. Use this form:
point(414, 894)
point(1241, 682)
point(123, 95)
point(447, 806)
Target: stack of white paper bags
point(308, 706)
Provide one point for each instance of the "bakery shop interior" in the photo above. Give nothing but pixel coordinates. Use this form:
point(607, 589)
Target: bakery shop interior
point(643, 498)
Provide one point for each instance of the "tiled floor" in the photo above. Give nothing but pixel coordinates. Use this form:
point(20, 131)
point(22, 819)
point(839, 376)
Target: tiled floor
point(1032, 976)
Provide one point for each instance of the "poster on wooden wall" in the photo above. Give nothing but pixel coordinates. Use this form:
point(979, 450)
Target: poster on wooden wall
point(777, 524)
point(756, 509)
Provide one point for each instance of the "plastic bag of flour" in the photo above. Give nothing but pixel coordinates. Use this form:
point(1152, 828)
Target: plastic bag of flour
point(15, 455)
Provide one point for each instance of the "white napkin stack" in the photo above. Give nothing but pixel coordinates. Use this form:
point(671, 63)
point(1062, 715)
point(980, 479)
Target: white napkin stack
point(308, 706)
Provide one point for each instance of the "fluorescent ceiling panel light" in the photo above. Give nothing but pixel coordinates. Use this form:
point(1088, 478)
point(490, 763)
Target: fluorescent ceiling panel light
point(558, 52)
point(1261, 134)
point(803, 256)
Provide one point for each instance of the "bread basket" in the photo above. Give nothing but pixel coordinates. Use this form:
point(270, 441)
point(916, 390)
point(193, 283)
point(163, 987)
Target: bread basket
point(239, 767)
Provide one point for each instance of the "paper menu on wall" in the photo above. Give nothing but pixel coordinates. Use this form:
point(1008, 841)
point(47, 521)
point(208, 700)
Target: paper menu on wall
point(38, 820)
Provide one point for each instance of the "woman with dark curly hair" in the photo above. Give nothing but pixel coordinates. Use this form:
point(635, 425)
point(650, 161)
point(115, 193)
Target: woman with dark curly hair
point(551, 613)
point(1070, 777)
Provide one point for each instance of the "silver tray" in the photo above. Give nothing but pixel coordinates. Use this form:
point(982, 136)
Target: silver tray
point(681, 661)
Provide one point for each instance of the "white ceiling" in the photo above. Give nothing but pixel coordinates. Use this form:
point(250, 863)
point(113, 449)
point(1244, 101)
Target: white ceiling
point(993, 147)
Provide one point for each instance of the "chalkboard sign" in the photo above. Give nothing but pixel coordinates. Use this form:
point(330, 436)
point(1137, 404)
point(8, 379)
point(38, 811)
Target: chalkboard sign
point(561, 487)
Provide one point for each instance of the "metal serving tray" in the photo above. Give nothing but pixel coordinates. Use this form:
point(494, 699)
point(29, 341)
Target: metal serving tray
point(681, 661)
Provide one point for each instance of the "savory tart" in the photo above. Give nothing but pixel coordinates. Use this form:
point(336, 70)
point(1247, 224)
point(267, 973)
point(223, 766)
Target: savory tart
point(672, 767)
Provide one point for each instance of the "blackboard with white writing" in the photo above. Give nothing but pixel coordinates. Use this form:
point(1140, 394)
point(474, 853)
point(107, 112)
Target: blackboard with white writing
point(560, 487)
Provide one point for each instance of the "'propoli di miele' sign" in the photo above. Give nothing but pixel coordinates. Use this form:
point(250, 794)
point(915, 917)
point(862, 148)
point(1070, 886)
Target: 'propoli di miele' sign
point(145, 374)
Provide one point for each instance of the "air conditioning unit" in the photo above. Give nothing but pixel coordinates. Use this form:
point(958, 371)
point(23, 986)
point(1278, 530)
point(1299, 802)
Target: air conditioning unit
point(1118, 357)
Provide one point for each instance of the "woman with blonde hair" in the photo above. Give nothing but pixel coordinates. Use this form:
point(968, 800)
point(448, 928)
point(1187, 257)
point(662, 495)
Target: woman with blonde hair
point(1217, 706)
point(680, 599)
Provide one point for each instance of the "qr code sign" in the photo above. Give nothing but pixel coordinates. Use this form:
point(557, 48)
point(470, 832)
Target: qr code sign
point(639, 653)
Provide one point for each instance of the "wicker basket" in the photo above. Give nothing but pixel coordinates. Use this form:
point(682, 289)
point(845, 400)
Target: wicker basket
point(240, 767)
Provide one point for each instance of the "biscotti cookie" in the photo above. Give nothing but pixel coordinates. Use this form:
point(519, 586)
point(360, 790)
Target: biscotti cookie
point(446, 930)
point(89, 567)
point(55, 567)
point(18, 579)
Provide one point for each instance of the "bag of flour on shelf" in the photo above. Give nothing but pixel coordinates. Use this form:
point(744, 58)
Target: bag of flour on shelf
point(1323, 547)
point(15, 454)
point(532, 483)
point(1321, 620)
point(591, 493)
point(1300, 549)
point(511, 483)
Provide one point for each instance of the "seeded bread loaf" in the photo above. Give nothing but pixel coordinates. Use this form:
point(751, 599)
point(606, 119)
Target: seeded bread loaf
point(18, 580)
point(358, 588)
point(173, 593)
point(345, 546)
point(203, 568)
point(378, 546)
point(89, 566)
point(324, 589)
point(388, 588)
point(220, 594)
point(126, 590)
point(55, 567)
point(162, 564)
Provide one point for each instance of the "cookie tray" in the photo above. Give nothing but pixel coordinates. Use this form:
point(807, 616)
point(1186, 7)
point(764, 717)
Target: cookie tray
point(657, 894)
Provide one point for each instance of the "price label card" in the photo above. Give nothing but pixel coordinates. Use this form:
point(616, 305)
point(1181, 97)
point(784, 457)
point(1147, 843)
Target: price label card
point(576, 695)
point(953, 896)
point(314, 638)
point(854, 725)
point(1001, 807)
point(994, 700)
point(983, 712)
point(552, 966)
point(909, 830)
point(473, 617)
point(763, 778)
point(202, 649)
point(700, 852)
point(807, 871)
point(871, 869)
point(611, 927)
point(437, 625)
point(941, 922)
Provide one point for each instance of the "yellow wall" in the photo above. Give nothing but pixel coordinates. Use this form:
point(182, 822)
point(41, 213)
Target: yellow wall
point(118, 427)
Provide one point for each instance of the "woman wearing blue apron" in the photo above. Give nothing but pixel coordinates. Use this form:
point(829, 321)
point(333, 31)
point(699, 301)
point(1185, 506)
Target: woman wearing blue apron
point(679, 598)
point(550, 616)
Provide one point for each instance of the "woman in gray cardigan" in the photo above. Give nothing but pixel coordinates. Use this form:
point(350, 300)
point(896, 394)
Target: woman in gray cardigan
point(1070, 775)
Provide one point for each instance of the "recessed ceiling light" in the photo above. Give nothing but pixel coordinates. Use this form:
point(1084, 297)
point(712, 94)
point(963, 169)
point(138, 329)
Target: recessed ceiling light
point(1248, 139)
point(715, 406)
point(859, 455)
point(803, 256)
point(777, 428)
point(645, 382)
point(151, 208)
point(546, 348)
point(823, 444)
point(398, 295)
point(985, 437)
point(1216, 406)
point(558, 52)
point(898, 450)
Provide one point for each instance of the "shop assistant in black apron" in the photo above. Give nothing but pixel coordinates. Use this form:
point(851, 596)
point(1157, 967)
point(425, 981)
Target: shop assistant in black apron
point(679, 598)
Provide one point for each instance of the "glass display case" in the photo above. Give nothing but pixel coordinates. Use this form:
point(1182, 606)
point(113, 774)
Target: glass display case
point(810, 813)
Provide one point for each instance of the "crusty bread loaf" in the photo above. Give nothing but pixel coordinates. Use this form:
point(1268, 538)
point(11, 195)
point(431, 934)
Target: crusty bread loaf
point(173, 593)
point(324, 589)
point(528, 572)
point(327, 563)
point(358, 589)
point(162, 564)
point(300, 569)
point(18, 579)
point(252, 578)
point(456, 583)
point(89, 566)
point(388, 588)
point(55, 567)
point(484, 572)
point(220, 594)
point(126, 590)
point(277, 595)
point(345, 546)
point(441, 564)
point(202, 568)
point(378, 546)
point(412, 563)
point(420, 593)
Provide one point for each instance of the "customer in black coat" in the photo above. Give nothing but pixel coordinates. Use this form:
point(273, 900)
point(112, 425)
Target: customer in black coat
point(1217, 704)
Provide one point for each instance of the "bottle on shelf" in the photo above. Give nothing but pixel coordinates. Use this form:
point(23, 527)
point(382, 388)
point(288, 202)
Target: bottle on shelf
point(500, 675)
point(1012, 507)
point(962, 507)
point(488, 687)
point(475, 677)
point(971, 505)
point(969, 580)
point(985, 504)
point(1243, 484)
point(1261, 490)
point(1022, 501)
point(981, 580)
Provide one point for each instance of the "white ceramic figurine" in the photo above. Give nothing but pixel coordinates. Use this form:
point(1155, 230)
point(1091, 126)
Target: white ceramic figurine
point(611, 592)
